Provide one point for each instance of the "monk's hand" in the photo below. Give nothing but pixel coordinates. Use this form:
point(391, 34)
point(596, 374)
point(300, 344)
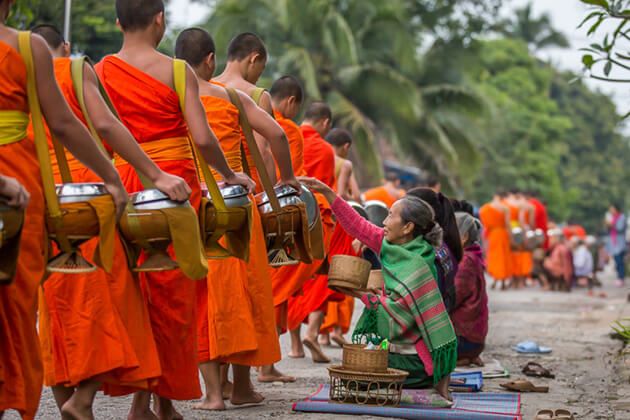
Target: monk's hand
point(240, 178)
point(13, 193)
point(119, 195)
point(175, 187)
point(294, 183)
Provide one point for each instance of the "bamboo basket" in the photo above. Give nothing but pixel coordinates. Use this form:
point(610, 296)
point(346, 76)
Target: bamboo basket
point(352, 387)
point(348, 272)
point(357, 358)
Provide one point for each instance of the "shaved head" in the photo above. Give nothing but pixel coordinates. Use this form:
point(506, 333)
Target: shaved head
point(137, 14)
point(339, 137)
point(318, 111)
point(242, 45)
point(194, 45)
point(51, 34)
point(285, 87)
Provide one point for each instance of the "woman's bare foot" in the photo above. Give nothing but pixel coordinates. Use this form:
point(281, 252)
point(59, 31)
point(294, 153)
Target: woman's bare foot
point(269, 373)
point(478, 362)
point(71, 410)
point(442, 388)
point(316, 352)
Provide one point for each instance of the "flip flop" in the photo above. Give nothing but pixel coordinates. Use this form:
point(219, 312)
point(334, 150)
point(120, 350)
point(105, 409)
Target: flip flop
point(537, 370)
point(545, 415)
point(531, 347)
point(562, 414)
point(524, 386)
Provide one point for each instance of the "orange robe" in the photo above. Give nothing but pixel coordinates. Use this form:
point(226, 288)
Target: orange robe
point(520, 261)
point(223, 303)
point(150, 110)
point(319, 162)
point(96, 323)
point(20, 361)
point(497, 237)
point(381, 194)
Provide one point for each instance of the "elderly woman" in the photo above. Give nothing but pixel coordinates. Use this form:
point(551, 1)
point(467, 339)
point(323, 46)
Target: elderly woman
point(409, 311)
point(470, 315)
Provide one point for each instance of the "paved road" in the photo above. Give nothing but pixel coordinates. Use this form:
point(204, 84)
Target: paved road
point(592, 379)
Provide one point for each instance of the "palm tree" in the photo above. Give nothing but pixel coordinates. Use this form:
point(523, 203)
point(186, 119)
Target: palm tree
point(538, 32)
point(361, 57)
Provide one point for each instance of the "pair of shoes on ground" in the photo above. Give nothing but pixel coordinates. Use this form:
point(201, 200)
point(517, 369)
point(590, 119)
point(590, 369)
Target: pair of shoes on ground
point(560, 414)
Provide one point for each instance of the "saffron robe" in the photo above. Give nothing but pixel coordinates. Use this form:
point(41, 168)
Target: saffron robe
point(150, 110)
point(95, 323)
point(497, 239)
point(21, 372)
point(382, 194)
point(319, 162)
point(223, 303)
point(540, 218)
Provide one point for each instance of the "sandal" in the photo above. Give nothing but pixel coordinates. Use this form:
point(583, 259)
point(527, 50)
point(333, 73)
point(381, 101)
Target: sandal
point(537, 370)
point(524, 386)
point(545, 415)
point(563, 414)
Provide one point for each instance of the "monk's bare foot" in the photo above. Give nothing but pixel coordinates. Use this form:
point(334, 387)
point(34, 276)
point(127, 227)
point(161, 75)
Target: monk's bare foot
point(268, 374)
point(226, 390)
point(296, 355)
point(71, 410)
point(442, 388)
point(324, 340)
point(210, 405)
point(142, 415)
point(166, 410)
point(338, 339)
point(246, 397)
point(316, 352)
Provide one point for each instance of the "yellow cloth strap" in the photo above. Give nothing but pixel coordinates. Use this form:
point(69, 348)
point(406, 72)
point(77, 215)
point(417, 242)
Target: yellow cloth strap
point(13, 126)
point(163, 150)
point(41, 142)
point(179, 78)
point(257, 94)
point(254, 151)
point(189, 252)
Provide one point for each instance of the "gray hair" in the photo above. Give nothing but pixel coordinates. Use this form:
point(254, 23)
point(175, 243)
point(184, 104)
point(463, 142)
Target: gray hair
point(468, 226)
point(421, 214)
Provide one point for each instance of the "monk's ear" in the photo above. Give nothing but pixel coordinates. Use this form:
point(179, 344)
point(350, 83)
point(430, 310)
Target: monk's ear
point(159, 19)
point(210, 59)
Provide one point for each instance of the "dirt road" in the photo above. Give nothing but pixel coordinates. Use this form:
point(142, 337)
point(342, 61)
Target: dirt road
point(591, 377)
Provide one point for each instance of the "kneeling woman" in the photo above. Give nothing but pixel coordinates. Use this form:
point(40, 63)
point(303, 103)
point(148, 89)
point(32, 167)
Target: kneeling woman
point(410, 311)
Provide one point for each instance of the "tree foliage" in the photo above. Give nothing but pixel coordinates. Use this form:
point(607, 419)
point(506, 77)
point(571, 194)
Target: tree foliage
point(537, 32)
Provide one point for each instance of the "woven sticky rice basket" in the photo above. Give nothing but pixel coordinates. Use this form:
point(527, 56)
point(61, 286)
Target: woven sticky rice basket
point(359, 359)
point(348, 272)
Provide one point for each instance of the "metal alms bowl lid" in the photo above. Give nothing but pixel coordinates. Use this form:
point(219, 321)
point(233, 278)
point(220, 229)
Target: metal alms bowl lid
point(312, 209)
point(80, 191)
point(291, 200)
point(154, 199)
point(233, 195)
point(282, 191)
point(358, 208)
point(377, 211)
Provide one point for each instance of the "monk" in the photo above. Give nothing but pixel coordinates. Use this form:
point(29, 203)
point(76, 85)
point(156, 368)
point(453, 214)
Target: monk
point(226, 302)
point(20, 362)
point(339, 314)
point(541, 218)
point(495, 217)
point(246, 60)
point(140, 83)
point(310, 306)
point(388, 193)
point(111, 334)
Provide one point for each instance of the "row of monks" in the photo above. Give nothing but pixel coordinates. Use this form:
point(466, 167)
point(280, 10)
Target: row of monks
point(499, 217)
point(150, 334)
